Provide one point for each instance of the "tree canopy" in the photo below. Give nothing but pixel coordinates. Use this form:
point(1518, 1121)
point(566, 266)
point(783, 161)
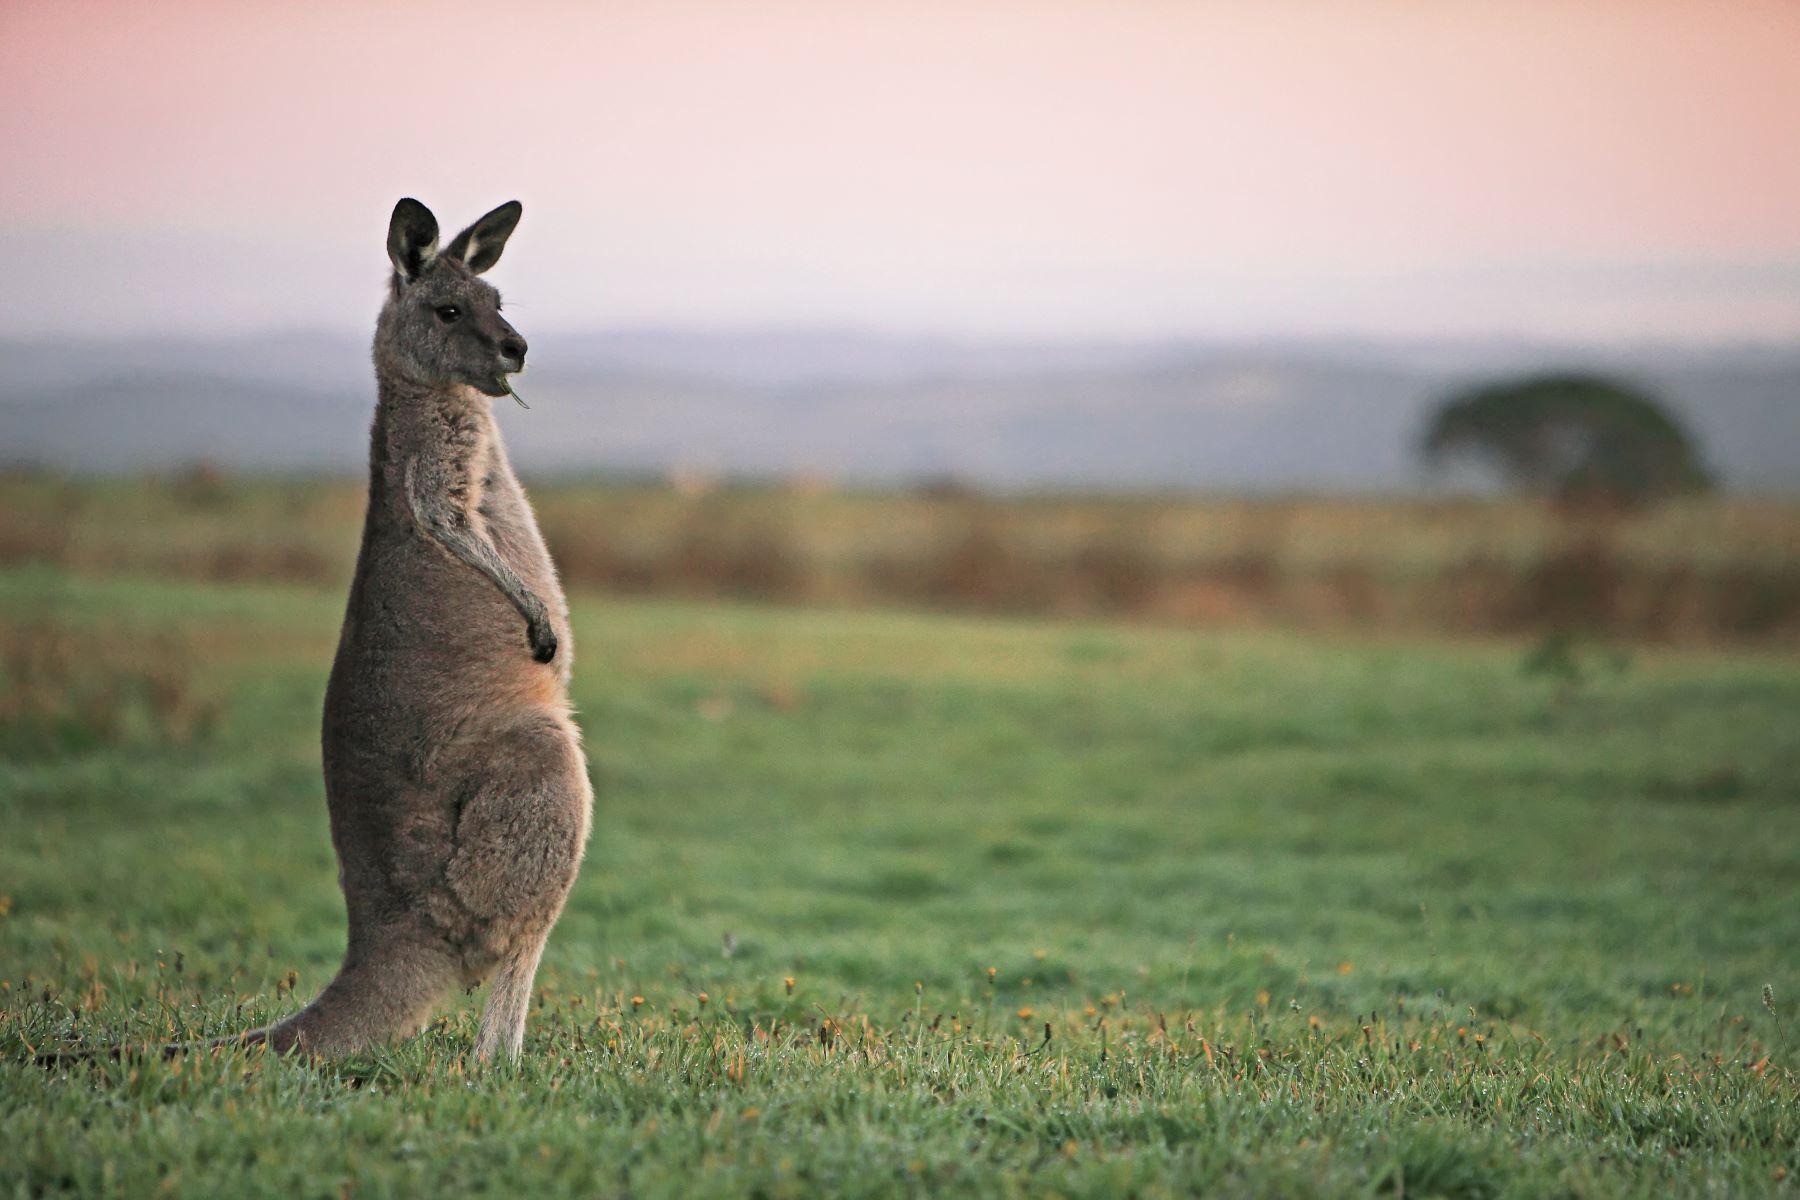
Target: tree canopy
point(1582, 439)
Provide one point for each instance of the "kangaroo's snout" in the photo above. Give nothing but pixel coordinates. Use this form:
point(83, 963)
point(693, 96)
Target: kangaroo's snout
point(512, 352)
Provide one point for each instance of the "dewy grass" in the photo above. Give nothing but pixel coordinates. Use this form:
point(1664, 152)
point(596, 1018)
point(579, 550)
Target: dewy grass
point(887, 904)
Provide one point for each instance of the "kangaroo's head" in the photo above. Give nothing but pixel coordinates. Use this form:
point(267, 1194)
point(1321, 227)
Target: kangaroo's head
point(441, 324)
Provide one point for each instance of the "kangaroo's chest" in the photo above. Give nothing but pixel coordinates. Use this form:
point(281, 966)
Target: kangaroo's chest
point(510, 524)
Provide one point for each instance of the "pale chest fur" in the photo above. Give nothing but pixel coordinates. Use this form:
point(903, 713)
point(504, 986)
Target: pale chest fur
point(499, 507)
point(417, 611)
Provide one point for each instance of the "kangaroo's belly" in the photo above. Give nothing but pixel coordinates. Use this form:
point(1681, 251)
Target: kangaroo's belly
point(432, 653)
point(435, 703)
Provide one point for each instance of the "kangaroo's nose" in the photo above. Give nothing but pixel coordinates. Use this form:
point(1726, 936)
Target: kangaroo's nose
point(512, 349)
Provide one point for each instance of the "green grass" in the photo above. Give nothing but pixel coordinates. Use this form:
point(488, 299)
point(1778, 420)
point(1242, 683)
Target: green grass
point(1066, 908)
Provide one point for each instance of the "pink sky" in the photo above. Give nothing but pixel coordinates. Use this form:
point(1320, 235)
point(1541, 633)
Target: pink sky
point(1581, 169)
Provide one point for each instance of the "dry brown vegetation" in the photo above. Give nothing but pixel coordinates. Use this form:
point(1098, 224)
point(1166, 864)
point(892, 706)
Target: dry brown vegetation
point(1699, 569)
point(66, 689)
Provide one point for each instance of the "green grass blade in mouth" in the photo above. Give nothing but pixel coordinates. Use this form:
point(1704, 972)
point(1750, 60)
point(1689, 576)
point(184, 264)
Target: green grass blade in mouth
point(515, 395)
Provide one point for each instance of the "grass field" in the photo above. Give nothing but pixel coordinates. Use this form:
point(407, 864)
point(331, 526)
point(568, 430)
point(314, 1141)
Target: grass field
point(883, 904)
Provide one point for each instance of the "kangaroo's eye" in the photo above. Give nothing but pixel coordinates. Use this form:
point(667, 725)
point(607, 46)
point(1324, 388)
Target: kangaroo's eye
point(448, 313)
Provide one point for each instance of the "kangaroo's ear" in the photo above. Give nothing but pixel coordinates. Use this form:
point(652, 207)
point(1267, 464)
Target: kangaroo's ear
point(478, 247)
point(412, 238)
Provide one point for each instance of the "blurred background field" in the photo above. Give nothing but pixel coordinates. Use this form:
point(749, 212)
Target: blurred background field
point(1695, 569)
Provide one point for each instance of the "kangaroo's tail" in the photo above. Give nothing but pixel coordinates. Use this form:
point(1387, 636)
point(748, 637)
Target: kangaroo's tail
point(371, 1001)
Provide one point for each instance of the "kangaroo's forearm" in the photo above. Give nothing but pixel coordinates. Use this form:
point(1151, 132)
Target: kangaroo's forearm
point(451, 529)
point(480, 554)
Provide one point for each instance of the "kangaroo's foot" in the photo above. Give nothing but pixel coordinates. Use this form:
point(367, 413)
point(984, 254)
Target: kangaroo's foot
point(388, 993)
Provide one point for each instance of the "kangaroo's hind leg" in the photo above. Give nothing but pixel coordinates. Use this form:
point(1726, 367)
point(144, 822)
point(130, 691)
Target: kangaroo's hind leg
point(519, 838)
point(508, 1001)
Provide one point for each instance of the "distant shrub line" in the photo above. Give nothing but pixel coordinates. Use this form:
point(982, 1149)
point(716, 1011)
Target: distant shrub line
point(1702, 568)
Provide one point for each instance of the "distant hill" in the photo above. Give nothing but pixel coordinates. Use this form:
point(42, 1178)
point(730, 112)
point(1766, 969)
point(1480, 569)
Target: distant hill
point(1289, 416)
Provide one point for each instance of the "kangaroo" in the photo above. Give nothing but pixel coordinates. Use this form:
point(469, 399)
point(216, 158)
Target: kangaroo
point(457, 788)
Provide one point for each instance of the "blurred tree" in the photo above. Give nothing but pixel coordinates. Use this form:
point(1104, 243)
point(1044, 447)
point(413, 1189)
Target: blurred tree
point(1585, 440)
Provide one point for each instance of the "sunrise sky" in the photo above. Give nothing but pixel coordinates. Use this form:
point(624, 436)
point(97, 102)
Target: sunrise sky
point(1589, 170)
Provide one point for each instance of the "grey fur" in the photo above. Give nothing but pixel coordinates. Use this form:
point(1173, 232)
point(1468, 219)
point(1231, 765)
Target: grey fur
point(457, 787)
